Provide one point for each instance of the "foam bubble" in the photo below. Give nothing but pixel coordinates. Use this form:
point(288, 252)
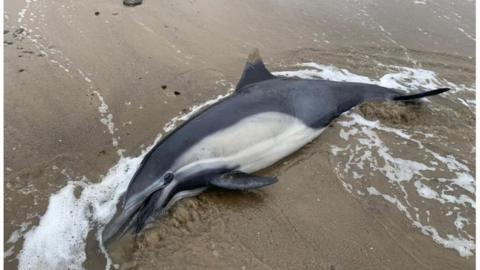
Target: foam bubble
point(59, 239)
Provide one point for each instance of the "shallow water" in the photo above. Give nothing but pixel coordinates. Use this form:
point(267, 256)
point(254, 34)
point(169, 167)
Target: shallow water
point(387, 185)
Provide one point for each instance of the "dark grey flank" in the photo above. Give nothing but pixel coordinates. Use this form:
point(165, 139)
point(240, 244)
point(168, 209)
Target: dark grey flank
point(315, 102)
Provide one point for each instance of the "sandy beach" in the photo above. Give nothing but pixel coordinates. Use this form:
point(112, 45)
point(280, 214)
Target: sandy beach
point(386, 186)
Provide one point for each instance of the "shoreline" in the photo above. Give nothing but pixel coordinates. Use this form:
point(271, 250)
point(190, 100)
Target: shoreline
point(88, 84)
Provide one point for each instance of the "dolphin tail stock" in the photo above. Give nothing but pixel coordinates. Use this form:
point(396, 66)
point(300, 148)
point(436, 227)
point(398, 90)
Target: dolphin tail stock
point(420, 95)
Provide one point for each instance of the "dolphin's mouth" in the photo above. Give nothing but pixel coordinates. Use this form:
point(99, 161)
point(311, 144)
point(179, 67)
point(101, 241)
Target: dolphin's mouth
point(120, 224)
point(126, 218)
point(135, 213)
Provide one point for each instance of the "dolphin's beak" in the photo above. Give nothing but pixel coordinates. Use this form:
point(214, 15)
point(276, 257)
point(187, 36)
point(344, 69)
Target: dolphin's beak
point(129, 212)
point(119, 224)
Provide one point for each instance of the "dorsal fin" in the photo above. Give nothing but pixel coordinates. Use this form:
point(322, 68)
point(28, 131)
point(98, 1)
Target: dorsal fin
point(254, 71)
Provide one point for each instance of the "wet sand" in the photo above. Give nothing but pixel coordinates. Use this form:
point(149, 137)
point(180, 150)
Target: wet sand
point(151, 62)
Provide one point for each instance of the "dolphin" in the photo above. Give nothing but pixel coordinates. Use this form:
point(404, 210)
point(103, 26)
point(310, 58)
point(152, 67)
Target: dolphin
point(266, 119)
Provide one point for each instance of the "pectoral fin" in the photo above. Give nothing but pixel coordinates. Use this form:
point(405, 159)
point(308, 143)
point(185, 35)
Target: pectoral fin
point(241, 181)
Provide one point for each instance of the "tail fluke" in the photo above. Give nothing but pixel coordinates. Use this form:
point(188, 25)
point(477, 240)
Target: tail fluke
point(421, 95)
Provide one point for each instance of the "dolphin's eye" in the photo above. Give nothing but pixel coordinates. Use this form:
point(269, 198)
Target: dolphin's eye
point(168, 177)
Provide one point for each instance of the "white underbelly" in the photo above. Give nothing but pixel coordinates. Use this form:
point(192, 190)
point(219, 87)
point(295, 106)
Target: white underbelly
point(252, 144)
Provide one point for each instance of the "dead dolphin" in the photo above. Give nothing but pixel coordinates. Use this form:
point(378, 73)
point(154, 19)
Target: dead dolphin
point(266, 119)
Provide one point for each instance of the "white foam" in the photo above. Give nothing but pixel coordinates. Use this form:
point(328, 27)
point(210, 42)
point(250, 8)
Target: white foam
point(465, 247)
point(420, 2)
point(106, 117)
point(324, 72)
point(394, 168)
point(17, 234)
point(335, 149)
point(9, 252)
point(469, 36)
point(461, 221)
point(465, 181)
point(58, 241)
point(398, 171)
point(401, 78)
point(426, 192)
point(469, 103)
